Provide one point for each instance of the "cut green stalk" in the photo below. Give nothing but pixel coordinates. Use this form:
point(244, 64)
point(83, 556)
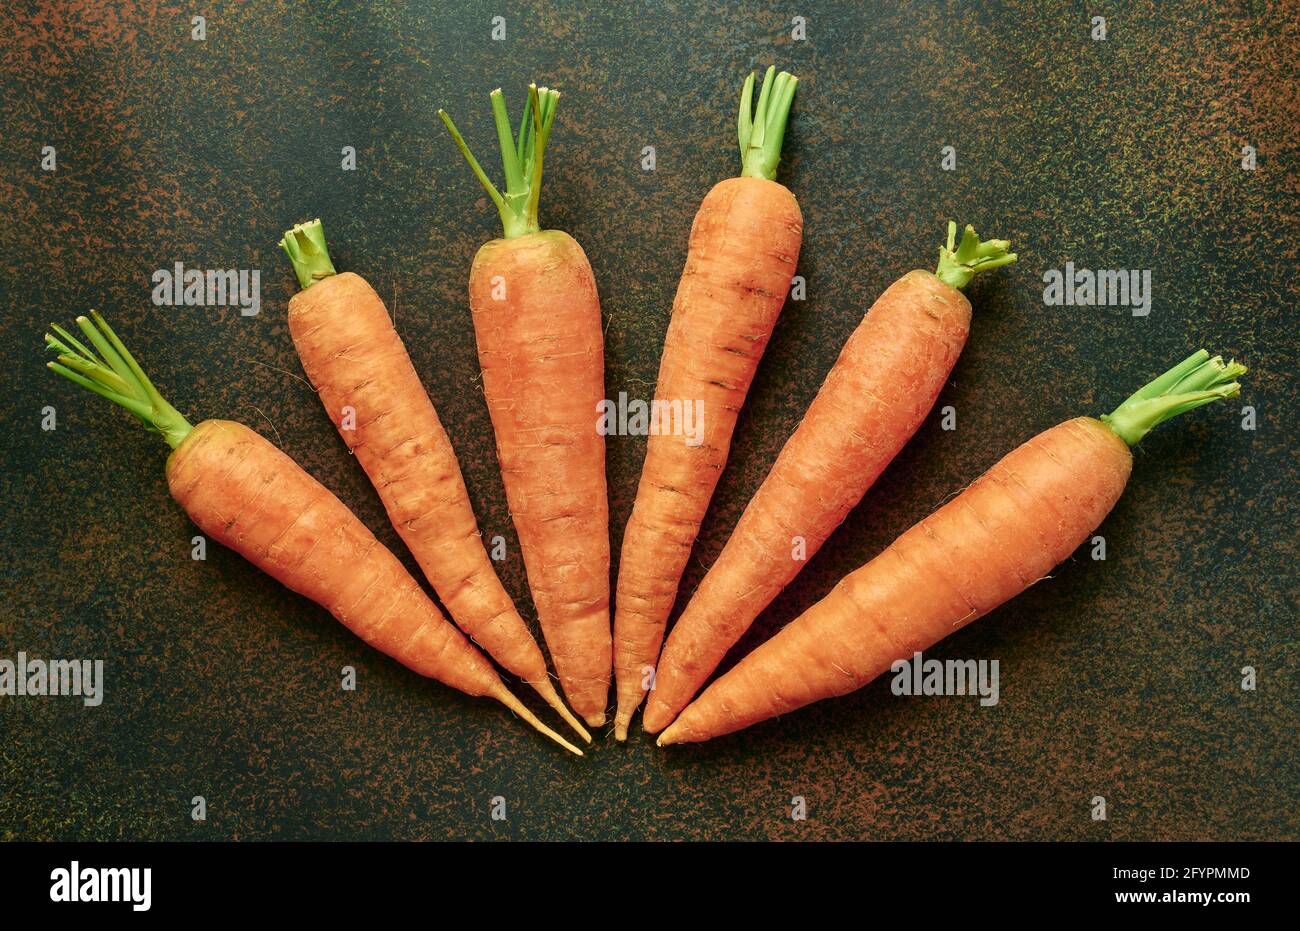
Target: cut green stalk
point(510, 152)
point(521, 158)
point(958, 264)
point(305, 246)
point(111, 372)
point(762, 132)
point(1195, 381)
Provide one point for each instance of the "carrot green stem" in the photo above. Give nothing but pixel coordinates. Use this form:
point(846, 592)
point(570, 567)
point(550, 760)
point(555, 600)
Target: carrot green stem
point(958, 264)
point(110, 371)
point(521, 158)
point(1196, 380)
point(305, 246)
point(762, 129)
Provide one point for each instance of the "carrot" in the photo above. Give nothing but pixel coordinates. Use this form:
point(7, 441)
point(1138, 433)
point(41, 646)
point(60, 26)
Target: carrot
point(743, 248)
point(877, 394)
point(998, 537)
point(360, 368)
point(537, 323)
point(246, 494)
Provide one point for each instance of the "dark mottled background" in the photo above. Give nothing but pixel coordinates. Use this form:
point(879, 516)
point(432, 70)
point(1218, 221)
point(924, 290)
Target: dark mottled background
point(1118, 679)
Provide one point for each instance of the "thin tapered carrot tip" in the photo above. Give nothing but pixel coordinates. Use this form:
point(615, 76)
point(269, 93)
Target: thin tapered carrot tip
point(672, 735)
point(595, 719)
point(621, 720)
point(552, 698)
point(654, 719)
point(504, 696)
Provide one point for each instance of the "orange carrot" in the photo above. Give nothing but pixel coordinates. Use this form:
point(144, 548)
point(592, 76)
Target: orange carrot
point(360, 368)
point(998, 537)
point(742, 253)
point(882, 387)
point(248, 495)
point(537, 323)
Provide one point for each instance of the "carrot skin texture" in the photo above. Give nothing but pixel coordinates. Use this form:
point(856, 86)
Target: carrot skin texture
point(1005, 532)
point(877, 394)
point(355, 358)
point(743, 249)
point(540, 342)
point(246, 494)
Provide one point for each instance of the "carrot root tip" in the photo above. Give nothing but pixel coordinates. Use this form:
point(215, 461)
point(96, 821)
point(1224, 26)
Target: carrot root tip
point(551, 697)
point(621, 722)
point(595, 719)
point(654, 719)
point(507, 698)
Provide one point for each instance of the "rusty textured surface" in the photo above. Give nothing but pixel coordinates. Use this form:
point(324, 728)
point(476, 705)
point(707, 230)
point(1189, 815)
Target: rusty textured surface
point(1118, 679)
